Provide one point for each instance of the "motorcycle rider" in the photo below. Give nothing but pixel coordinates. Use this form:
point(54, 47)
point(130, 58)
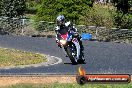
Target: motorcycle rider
point(63, 27)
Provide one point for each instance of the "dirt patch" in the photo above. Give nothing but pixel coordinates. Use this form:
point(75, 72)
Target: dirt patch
point(8, 80)
point(45, 79)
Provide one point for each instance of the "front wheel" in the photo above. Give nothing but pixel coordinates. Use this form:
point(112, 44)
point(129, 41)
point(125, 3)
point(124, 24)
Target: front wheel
point(81, 59)
point(71, 52)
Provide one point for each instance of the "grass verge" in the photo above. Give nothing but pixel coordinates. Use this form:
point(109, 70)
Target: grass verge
point(12, 57)
point(70, 85)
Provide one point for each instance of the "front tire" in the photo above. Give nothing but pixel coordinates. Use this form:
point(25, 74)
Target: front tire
point(70, 55)
point(81, 59)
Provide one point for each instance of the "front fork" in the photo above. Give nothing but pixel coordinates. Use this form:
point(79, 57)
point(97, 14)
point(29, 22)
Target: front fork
point(63, 48)
point(76, 42)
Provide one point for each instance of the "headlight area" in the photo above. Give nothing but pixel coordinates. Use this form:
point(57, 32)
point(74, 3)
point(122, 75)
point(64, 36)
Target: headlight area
point(63, 42)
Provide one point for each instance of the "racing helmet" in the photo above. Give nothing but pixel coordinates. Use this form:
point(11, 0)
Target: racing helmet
point(60, 20)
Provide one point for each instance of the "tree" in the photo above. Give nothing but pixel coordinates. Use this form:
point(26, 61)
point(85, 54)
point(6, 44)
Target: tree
point(13, 8)
point(122, 16)
point(0, 7)
point(10, 10)
point(122, 5)
point(31, 6)
point(71, 9)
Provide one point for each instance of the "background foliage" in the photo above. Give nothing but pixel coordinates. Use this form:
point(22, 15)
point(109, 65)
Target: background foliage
point(72, 9)
point(10, 12)
point(32, 6)
point(99, 16)
point(12, 8)
point(80, 12)
point(123, 16)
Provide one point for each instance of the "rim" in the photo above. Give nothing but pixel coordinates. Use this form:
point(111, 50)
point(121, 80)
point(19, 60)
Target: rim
point(74, 52)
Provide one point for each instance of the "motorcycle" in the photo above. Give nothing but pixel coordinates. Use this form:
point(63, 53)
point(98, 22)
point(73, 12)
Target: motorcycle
point(71, 47)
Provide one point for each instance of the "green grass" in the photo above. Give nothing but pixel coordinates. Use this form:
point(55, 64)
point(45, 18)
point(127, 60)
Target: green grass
point(12, 57)
point(57, 85)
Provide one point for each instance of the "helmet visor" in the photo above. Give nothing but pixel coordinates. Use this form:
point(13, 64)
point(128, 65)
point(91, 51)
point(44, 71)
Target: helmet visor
point(60, 23)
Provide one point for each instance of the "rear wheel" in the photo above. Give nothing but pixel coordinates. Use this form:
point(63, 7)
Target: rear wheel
point(71, 52)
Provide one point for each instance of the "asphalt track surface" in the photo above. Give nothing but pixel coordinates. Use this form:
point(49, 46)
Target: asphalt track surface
point(101, 57)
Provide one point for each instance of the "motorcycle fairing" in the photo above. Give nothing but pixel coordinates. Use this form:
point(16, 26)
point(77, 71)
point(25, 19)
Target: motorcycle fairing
point(68, 37)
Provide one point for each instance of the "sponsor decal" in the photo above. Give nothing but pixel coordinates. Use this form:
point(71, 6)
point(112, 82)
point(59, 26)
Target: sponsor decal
point(83, 78)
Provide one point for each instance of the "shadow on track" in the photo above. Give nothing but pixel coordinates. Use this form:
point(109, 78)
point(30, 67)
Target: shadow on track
point(69, 63)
